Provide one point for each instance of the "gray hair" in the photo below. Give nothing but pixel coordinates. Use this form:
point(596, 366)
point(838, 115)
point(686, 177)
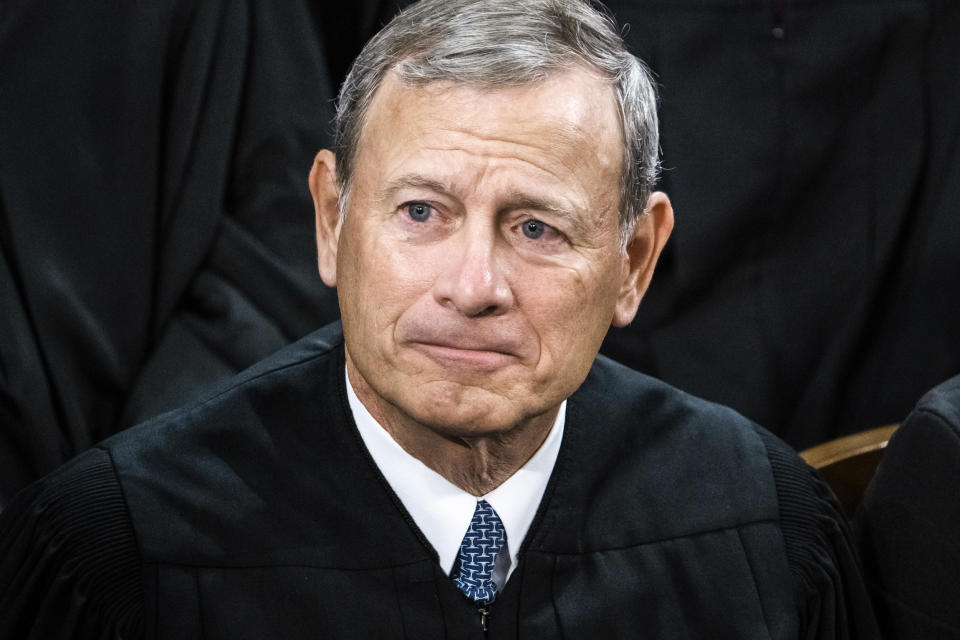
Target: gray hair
point(493, 43)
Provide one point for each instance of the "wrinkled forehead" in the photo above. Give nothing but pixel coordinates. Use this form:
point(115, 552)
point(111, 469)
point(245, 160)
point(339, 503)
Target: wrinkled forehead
point(570, 116)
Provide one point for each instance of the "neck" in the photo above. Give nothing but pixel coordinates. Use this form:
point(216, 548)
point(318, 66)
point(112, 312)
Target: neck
point(478, 464)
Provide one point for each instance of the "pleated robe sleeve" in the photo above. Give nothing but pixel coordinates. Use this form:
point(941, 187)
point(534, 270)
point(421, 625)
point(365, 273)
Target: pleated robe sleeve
point(831, 596)
point(69, 566)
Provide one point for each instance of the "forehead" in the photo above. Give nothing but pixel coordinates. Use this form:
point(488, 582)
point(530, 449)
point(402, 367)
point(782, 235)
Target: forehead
point(565, 126)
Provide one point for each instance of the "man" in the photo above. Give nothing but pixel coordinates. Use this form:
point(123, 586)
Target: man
point(456, 462)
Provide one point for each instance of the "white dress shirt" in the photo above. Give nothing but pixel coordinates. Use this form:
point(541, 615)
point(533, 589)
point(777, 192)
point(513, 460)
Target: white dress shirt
point(443, 510)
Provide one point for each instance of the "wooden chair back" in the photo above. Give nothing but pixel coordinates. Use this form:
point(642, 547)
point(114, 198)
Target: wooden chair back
point(848, 463)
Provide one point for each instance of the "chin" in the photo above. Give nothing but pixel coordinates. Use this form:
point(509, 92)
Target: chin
point(462, 408)
point(469, 414)
point(460, 424)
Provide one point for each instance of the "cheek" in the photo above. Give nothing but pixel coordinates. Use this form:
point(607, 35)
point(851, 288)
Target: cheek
point(360, 270)
point(572, 309)
point(382, 280)
point(565, 295)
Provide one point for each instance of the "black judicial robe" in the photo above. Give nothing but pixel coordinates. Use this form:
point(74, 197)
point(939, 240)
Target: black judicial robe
point(156, 230)
point(812, 155)
point(259, 514)
point(907, 524)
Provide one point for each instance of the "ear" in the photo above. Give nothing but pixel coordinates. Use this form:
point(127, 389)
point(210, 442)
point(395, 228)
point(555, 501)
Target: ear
point(649, 237)
point(326, 205)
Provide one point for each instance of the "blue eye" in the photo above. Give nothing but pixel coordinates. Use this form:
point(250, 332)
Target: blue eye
point(533, 229)
point(419, 211)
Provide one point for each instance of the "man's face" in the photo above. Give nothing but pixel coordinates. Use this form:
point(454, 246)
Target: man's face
point(478, 265)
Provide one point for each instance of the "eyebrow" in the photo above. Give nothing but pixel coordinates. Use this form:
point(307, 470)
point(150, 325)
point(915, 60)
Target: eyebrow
point(415, 181)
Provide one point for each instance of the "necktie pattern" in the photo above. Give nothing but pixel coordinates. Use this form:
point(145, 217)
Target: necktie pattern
point(484, 539)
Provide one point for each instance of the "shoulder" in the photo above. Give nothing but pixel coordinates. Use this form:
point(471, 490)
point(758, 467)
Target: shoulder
point(678, 466)
point(712, 466)
point(67, 544)
point(635, 403)
point(902, 491)
point(295, 385)
point(910, 505)
point(940, 405)
point(78, 540)
point(699, 466)
point(195, 478)
point(315, 348)
point(630, 397)
point(311, 362)
point(687, 436)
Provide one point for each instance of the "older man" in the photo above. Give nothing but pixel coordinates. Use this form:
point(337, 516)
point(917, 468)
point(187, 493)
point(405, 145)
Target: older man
point(456, 462)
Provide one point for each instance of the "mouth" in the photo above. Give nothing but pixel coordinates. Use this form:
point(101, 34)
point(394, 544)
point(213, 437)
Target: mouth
point(472, 357)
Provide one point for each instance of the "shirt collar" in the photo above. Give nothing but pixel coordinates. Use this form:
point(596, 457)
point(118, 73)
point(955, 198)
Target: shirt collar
point(443, 510)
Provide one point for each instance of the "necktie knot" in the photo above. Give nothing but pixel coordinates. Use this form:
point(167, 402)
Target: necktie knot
point(481, 544)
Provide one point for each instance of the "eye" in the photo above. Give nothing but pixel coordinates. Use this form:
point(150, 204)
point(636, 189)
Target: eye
point(533, 229)
point(538, 235)
point(419, 211)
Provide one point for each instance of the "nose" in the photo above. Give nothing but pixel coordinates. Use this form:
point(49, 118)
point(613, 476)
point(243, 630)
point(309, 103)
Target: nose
point(472, 279)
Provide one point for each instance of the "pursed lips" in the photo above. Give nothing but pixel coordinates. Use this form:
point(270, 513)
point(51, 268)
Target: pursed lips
point(458, 357)
point(466, 350)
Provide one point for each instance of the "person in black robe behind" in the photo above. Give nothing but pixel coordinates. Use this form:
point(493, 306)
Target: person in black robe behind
point(488, 214)
point(152, 229)
point(812, 152)
point(907, 524)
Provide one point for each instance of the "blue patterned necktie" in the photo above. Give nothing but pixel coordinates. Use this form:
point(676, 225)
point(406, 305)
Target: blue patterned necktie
point(481, 544)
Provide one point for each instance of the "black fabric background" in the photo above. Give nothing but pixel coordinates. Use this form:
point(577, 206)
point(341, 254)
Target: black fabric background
point(157, 231)
point(811, 281)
